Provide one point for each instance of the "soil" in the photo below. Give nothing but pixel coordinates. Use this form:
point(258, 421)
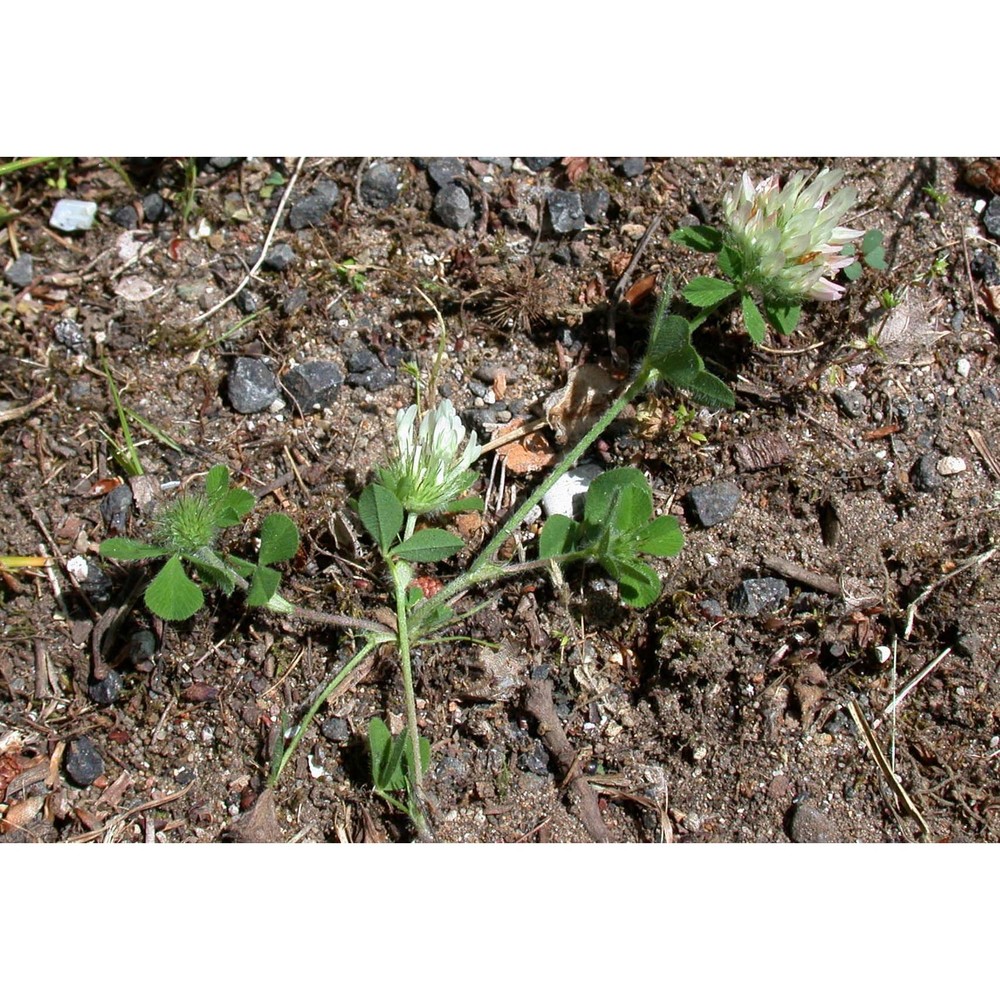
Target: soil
point(686, 721)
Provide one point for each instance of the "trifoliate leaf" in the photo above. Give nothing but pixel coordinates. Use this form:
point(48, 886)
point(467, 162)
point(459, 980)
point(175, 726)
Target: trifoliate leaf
point(217, 483)
point(233, 507)
point(381, 514)
point(263, 586)
point(871, 241)
point(784, 317)
point(661, 537)
point(464, 504)
point(638, 584)
point(876, 259)
point(852, 272)
point(172, 595)
point(619, 500)
point(279, 539)
point(127, 550)
point(428, 545)
point(706, 291)
point(703, 238)
point(558, 537)
point(755, 324)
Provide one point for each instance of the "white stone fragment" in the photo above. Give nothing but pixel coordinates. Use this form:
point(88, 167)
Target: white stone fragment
point(951, 465)
point(566, 496)
point(71, 215)
point(963, 366)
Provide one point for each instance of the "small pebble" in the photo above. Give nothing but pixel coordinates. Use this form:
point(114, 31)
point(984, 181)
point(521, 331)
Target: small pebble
point(314, 385)
point(850, 402)
point(446, 170)
point(336, 730)
point(569, 492)
point(951, 465)
point(535, 761)
point(279, 257)
point(758, 595)
point(537, 163)
point(313, 209)
point(379, 186)
point(252, 386)
point(373, 380)
point(107, 691)
point(991, 217)
point(810, 826)
point(963, 366)
point(984, 267)
point(153, 207)
point(595, 204)
point(83, 763)
point(21, 272)
point(125, 216)
point(362, 360)
point(712, 503)
point(924, 475)
point(632, 166)
point(71, 215)
point(115, 508)
point(452, 207)
point(71, 335)
point(246, 301)
point(566, 211)
point(297, 298)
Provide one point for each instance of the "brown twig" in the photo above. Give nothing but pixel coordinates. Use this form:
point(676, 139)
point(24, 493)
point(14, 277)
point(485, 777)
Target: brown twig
point(538, 702)
point(968, 275)
point(814, 581)
point(22, 411)
point(151, 804)
point(623, 282)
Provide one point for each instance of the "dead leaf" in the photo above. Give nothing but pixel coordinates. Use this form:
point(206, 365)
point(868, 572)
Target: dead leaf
point(574, 409)
point(809, 688)
point(19, 814)
point(532, 453)
point(259, 825)
point(134, 289)
point(576, 167)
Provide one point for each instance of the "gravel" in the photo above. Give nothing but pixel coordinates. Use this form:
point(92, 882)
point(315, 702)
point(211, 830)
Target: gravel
point(106, 691)
point(83, 763)
point(991, 217)
point(125, 216)
point(809, 826)
point(445, 170)
point(566, 211)
point(21, 272)
point(379, 187)
point(71, 215)
point(452, 207)
point(850, 402)
point(537, 163)
point(595, 204)
point(153, 207)
point(712, 503)
point(314, 384)
point(252, 386)
point(313, 209)
point(754, 597)
point(924, 475)
point(279, 257)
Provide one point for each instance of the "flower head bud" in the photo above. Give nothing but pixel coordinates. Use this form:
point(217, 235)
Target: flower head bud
point(788, 240)
point(432, 469)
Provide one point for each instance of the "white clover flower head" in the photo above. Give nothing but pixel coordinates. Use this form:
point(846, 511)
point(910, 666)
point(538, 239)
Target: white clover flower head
point(432, 468)
point(789, 239)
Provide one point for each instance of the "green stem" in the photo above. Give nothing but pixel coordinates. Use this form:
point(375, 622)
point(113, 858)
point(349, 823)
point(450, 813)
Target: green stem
point(344, 673)
point(403, 646)
point(484, 568)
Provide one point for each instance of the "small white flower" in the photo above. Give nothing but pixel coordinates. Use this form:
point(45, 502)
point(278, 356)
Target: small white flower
point(432, 469)
point(789, 239)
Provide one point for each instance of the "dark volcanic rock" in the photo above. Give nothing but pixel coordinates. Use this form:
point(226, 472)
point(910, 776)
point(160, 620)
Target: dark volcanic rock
point(106, 692)
point(378, 187)
point(452, 207)
point(924, 475)
point(314, 385)
point(279, 257)
point(566, 211)
point(752, 597)
point(83, 763)
point(252, 386)
point(313, 209)
point(713, 503)
point(445, 170)
point(991, 217)
point(21, 272)
point(850, 402)
point(595, 204)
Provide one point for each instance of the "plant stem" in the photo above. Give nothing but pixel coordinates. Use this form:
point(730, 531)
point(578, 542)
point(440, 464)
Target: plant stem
point(484, 568)
point(403, 646)
point(344, 673)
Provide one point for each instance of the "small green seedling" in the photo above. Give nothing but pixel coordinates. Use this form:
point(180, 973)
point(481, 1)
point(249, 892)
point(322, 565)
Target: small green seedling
point(616, 531)
point(186, 533)
point(392, 766)
point(871, 252)
point(938, 197)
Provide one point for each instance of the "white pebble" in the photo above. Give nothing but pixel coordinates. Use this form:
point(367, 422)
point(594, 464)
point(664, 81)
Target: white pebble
point(951, 465)
point(567, 495)
point(963, 366)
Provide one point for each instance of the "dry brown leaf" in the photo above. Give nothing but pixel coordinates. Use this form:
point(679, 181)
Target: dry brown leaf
point(532, 453)
point(574, 409)
point(19, 814)
point(576, 167)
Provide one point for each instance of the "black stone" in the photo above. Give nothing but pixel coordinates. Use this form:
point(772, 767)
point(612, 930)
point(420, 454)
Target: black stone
point(246, 301)
point(297, 298)
point(452, 207)
point(991, 217)
point(313, 209)
point(632, 166)
point(595, 204)
point(107, 691)
point(566, 211)
point(362, 360)
point(712, 503)
point(115, 507)
point(141, 646)
point(537, 163)
point(378, 186)
point(753, 597)
point(152, 207)
point(503, 162)
point(252, 386)
point(314, 385)
point(850, 402)
point(984, 267)
point(96, 584)
point(957, 320)
point(924, 475)
point(71, 335)
point(336, 730)
point(374, 380)
point(222, 162)
point(125, 216)
point(83, 762)
point(279, 257)
point(21, 272)
point(968, 644)
point(445, 170)
point(535, 761)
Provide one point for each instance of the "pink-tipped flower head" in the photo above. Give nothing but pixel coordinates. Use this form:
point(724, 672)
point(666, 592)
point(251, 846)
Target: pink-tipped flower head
point(789, 239)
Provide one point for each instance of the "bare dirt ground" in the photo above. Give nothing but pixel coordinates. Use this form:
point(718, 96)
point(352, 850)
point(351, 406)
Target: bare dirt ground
point(865, 449)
